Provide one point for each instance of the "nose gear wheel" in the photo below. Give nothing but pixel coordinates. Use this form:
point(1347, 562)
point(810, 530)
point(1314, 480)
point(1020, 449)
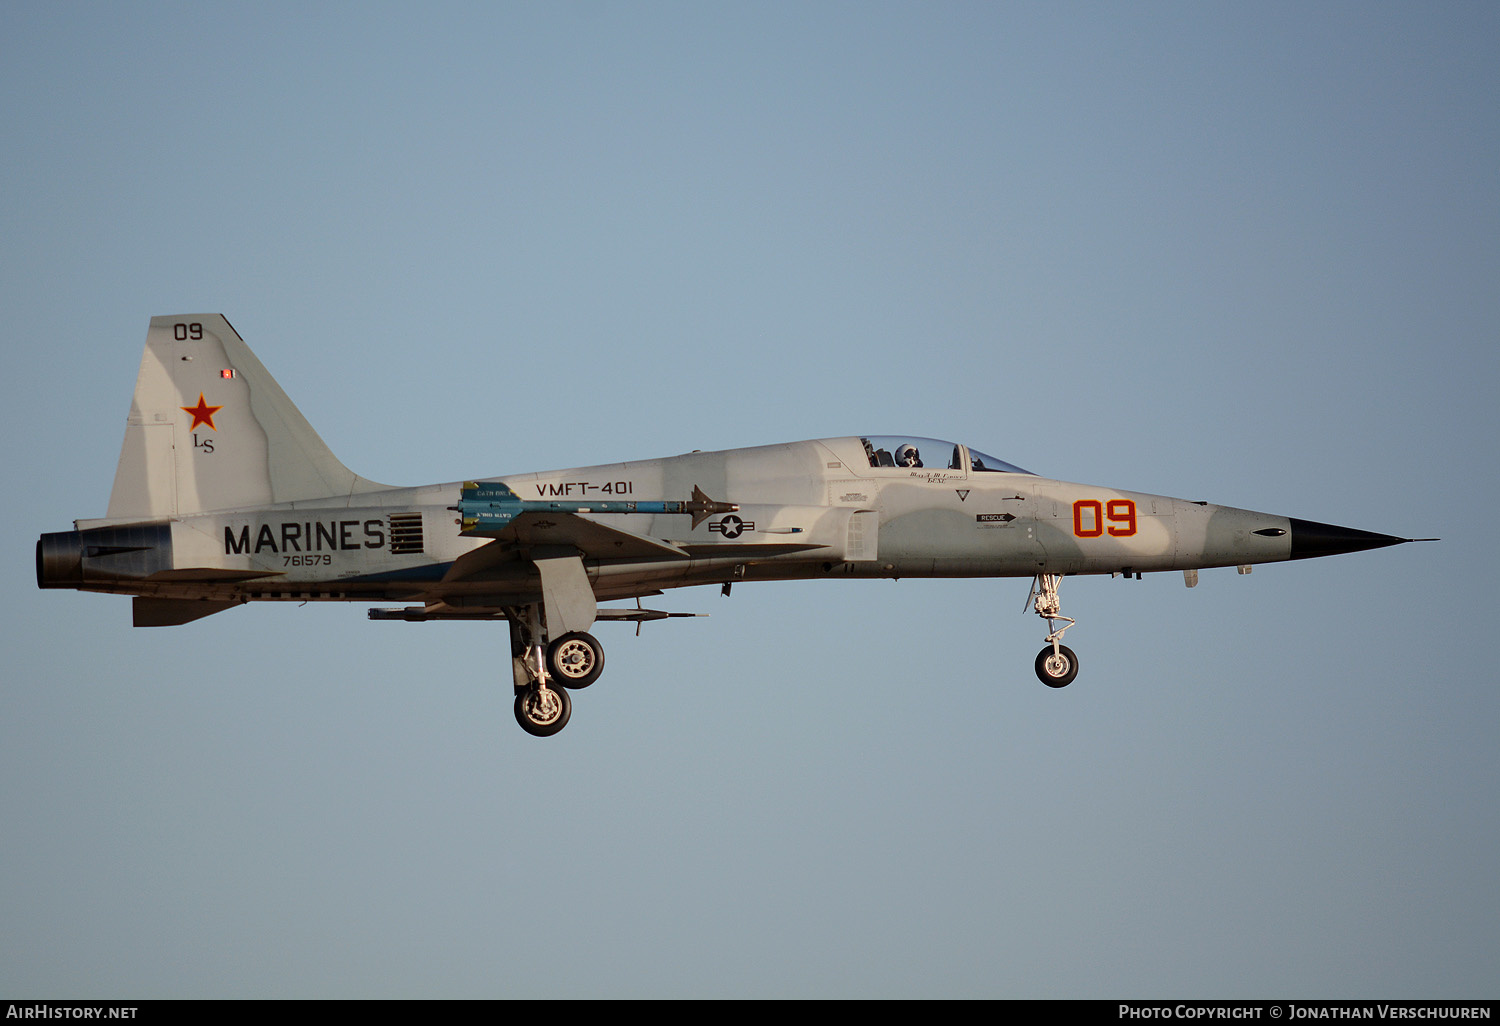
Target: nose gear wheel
point(1056, 669)
point(1056, 665)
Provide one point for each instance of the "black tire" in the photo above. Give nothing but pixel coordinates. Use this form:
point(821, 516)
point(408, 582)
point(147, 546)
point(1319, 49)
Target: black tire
point(1056, 672)
point(543, 713)
point(575, 660)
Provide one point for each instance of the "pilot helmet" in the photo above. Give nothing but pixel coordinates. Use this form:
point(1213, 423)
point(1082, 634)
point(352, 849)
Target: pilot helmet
point(907, 456)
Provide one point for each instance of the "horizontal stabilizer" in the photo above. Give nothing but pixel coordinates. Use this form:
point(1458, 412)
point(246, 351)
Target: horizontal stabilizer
point(160, 612)
point(205, 575)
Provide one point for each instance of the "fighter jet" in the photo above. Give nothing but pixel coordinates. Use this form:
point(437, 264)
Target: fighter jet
point(224, 494)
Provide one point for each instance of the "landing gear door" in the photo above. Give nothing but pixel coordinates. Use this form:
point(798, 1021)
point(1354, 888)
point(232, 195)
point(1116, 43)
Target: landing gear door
point(566, 595)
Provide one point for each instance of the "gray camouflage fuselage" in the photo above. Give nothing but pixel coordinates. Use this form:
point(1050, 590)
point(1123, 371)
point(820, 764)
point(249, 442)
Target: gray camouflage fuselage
point(806, 510)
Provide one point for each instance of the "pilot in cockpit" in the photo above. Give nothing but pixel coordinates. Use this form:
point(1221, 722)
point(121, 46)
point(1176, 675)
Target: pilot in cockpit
point(907, 456)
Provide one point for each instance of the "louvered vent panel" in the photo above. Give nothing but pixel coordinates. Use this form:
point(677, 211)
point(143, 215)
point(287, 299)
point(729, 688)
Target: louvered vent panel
point(406, 533)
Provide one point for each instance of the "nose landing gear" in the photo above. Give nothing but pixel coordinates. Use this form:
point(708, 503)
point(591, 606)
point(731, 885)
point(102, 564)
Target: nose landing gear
point(1056, 665)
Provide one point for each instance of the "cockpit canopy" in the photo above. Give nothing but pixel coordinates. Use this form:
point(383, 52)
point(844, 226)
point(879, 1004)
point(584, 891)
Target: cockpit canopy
point(899, 451)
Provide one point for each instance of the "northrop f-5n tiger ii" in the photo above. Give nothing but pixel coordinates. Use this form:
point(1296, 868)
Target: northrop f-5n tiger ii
point(224, 494)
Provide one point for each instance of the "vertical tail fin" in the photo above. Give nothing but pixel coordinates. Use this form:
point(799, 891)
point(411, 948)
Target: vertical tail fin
point(210, 429)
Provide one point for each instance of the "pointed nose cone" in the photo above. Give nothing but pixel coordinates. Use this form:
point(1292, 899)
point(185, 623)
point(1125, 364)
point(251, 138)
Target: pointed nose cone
point(1310, 538)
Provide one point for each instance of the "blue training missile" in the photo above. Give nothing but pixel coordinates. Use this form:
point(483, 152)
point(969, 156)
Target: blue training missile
point(487, 507)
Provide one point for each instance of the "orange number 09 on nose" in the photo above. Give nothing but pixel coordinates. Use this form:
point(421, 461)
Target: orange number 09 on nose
point(1091, 518)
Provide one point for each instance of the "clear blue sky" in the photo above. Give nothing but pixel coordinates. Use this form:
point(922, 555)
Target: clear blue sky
point(1239, 252)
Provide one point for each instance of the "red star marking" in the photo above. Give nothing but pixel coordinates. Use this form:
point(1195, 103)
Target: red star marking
point(202, 413)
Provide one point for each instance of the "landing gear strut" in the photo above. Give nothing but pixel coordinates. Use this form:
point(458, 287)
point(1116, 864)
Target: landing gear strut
point(1056, 665)
point(543, 672)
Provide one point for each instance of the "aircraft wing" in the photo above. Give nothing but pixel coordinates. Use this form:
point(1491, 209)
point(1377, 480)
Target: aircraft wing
point(574, 530)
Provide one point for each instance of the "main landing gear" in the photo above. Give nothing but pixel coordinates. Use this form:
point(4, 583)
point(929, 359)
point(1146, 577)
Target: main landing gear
point(542, 710)
point(545, 672)
point(575, 660)
point(1056, 665)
